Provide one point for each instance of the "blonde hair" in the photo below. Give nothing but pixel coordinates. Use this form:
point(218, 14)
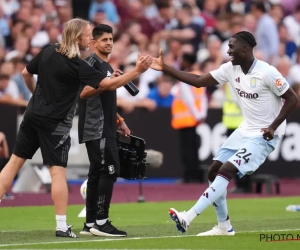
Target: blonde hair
point(72, 31)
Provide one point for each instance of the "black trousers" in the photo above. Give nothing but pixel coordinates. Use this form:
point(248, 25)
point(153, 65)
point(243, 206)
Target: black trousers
point(243, 183)
point(103, 172)
point(189, 142)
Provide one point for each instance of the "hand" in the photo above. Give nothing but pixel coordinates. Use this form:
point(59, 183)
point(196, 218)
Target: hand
point(150, 105)
point(268, 133)
point(116, 73)
point(123, 129)
point(143, 63)
point(157, 63)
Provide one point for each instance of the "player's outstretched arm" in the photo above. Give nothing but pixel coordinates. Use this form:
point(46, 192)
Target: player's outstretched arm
point(191, 79)
point(89, 91)
point(142, 64)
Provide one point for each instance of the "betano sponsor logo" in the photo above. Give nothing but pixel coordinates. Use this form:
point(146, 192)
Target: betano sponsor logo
point(246, 95)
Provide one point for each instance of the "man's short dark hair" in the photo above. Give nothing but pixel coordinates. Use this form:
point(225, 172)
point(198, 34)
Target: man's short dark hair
point(260, 6)
point(190, 58)
point(100, 29)
point(246, 37)
point(160, 4)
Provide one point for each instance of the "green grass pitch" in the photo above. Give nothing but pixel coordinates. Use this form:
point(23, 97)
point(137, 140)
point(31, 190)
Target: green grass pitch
point(149, 227)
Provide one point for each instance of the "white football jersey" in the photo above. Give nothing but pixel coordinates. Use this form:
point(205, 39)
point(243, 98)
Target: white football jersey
point(258, 94)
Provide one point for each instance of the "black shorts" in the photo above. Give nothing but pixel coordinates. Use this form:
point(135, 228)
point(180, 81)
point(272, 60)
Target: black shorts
point(104, 156)
point(54, 148)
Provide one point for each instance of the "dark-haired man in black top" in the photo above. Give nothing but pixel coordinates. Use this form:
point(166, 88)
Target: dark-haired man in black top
point(48, 118)
point(98, 123)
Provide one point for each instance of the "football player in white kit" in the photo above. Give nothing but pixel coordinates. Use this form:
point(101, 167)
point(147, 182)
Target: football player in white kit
point(260, 90)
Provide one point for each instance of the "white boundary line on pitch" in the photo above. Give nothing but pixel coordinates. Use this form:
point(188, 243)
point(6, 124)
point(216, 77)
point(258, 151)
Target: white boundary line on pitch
point(123, 249)
point(135, 238)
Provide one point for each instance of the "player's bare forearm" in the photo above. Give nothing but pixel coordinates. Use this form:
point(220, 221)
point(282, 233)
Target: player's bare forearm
point(197, 81)
point(4, 151)
point(89, 91)
point(29, 81)
point(142, 64)
point(291, 101)
point(116, 82)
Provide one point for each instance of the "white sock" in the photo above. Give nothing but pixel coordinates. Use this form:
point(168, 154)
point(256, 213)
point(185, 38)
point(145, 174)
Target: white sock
point(225, 224)
point(190, 215)
point(101, 222)
point(61, 222)
point(220, 206)
point(89, 224)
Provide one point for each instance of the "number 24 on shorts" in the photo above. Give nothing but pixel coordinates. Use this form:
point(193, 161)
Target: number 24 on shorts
point(242, 153)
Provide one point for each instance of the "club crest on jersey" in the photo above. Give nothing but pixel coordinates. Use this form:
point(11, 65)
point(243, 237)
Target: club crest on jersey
point(253, 83)
point(111, 169)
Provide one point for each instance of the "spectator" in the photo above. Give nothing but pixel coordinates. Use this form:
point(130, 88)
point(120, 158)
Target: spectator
point(161, 94)
point(100, 18)
point(108, 7)
point(150, 9)
point(213, 51)
point(250, 23)
point(294, 75)
point(148, 77)
point(163, 18)
point(9, 7)
point(186, 30)
point(237, 6)
point(283, 66)
point(4, 26)
point(290, 46)
point(208, 14)
point(276, 12)
point(267, 42)
point(21, 47)
point(18, 79)
point(81, 8)
point(222, 30)
point(41, 36)
point(292, 22)
point(189, 109)
point(9, 92)
point(127, 103)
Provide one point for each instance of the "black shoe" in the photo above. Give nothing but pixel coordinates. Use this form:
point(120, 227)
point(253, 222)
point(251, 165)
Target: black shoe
point(107, 230)
point(68, 233)
point(85, 230)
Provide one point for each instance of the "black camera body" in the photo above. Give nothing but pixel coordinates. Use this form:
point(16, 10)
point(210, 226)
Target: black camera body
point(132, 157)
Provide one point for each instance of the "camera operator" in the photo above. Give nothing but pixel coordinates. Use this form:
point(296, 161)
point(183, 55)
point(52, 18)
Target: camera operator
point(98, 123)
